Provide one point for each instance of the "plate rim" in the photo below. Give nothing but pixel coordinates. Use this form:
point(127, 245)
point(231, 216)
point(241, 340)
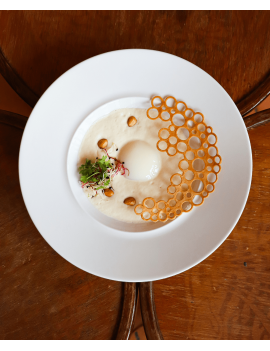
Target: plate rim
point(28, 125)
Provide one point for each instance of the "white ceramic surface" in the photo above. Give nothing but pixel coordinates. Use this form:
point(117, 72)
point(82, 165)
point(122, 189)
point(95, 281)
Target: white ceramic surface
point(98, 246)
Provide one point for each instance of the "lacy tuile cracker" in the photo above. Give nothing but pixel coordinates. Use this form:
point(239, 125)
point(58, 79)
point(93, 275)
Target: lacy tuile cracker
point(190, 137)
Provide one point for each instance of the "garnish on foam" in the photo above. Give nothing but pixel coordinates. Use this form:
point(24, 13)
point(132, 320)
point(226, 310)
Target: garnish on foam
point(98, 175)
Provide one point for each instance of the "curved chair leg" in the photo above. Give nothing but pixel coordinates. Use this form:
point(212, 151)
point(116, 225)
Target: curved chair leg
point(128, 311)
point(16, 82)
point(13, 119)
point(257, 119)
point(148, 310)
point(255, 98)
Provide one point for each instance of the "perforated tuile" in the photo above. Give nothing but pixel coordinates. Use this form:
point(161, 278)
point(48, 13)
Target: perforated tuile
point(198, 173)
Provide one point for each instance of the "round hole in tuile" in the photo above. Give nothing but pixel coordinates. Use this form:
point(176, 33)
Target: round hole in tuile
point(162, 215)
point(155, 210)
point(108, 192)
point(168, 209)
point(178, 212)
point(209, 187)
point(172, 203)
point(165, 116)
point(161, 205)
point(173, 140)
point(212, 151)
point(154, 217)
point(170, 102)
point(149, 203)
point(188, 195)
point(190, 124)
point(131, 121)
point(195, 143)
point(216, 168)
point(162, 145)
point(198, 118)
point(164, 134)
point(172, 215)
point(138, 209)
point(172, 111)
point(153, 113)
point(210, 160)
point(171, 189)
point(163, 107)
point(172, 128)
point(181, 106)
point(209, 168)
point(202, 136)
point(189, 175)
point(198, 165)
point(184, 164)
point(208, 130)
point(204, 193)
point(183, 133)
point(178, 120)
point(157, 102)
point(197, 186)
point(201, 153)
point(217, 159)
point(146, 215)
point(188, 113)
point(102, 143)
point(181, 147)
point(194, 132)
point(190, 155)
point(172, 151)
point(179, 196)
point(205, 145)
point(197, 200)
point(211, 139)
point(186, 206)
point(201, 127)
point(201, 175)
point(130, 201)
point(176, 179)
point(211, 177)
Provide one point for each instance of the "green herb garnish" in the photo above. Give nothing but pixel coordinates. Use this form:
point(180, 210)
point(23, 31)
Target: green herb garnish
point(95, 172)
point(98, 175)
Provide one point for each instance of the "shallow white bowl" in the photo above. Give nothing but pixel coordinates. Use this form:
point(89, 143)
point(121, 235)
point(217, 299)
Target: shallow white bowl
point(96, 244)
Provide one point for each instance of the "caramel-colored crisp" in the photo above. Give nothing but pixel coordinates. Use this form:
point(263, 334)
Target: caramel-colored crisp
point(130, 201)
point(190, 137)
point(108, 192)
point(102, 143)
point(131, 121)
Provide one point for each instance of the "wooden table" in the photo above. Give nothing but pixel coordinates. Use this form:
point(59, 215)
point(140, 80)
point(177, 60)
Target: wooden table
point(224, 297)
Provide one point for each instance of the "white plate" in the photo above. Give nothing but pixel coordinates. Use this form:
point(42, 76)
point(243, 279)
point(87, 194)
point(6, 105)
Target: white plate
point(100, 248)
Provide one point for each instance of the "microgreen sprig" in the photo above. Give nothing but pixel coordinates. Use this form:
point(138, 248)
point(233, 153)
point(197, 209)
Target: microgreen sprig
point(98, 175)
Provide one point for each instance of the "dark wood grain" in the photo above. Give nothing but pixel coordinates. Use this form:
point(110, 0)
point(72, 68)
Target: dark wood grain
point(13, 119)
point(16, 82)
point(128, 311)
point(257, 119)
point(232, 46)
point(42, 295)
point(227, 296)
point(255, 97)
point(148, 310)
